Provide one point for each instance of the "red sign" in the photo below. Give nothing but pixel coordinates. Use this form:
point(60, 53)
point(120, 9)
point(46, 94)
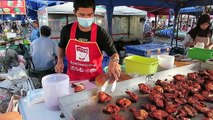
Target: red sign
point(12, 7)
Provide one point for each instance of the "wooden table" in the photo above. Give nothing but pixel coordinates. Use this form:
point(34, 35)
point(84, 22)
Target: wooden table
point(180, 63)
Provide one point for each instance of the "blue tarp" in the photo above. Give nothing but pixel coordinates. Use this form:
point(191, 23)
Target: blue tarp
point(189, 10)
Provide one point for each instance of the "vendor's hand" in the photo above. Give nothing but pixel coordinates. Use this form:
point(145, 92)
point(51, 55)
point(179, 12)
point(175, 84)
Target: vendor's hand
point(59, 68)
point(114, 69)
point(210, 47)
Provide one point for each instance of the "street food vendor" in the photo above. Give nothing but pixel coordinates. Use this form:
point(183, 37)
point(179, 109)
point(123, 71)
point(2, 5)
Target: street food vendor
point(200, 34)
point(82, 42)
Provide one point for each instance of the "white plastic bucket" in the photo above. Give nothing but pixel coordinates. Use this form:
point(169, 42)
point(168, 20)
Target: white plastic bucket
point(55, 86)
point(166, 61)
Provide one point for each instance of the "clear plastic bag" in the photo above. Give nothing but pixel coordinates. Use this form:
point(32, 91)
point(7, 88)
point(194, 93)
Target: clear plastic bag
point(35, 96)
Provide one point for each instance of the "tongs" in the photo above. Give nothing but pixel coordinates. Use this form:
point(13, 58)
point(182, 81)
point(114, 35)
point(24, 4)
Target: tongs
point(103, 88)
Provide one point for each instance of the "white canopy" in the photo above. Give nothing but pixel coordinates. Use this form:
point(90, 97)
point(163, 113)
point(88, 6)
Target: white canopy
point(67, 8)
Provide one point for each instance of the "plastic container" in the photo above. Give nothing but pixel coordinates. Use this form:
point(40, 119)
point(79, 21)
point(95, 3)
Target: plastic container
point(55, 86)
point(141, 65)
point(148, 49)
point(200, 54)
point(200, 45)
point(166, 61)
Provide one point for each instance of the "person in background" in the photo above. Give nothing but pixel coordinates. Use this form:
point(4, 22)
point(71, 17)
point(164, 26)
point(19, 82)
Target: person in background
point(147, 32)
point(82, 43)
point(142, 21)
point(14, 27)
point(44, 53)
point(200, 34)
point(153, 26)
point(24, 30)
point(6, 26)
point(35, 31)
point(184, 28)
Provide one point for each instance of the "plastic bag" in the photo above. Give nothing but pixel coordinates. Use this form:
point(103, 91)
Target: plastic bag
point(35, 96)
point(16, 73)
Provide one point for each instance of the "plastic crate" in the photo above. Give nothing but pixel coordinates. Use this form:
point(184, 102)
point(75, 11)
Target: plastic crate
point(148, 49)
point(200, 54)
point(141, 65)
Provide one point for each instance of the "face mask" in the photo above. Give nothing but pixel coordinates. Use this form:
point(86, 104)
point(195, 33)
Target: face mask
point(85, 22)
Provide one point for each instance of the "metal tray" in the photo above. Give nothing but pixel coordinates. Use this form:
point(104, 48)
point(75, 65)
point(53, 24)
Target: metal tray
point(84, 105)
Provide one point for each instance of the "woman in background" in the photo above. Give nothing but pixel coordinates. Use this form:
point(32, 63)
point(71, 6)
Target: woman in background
point(14, 27)
point(200, 34)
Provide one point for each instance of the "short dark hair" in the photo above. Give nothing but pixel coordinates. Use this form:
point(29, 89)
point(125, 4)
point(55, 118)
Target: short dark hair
point(84, 4)
point(45, 31)
point(142, 19)
point(203, 19)
point(36, 22)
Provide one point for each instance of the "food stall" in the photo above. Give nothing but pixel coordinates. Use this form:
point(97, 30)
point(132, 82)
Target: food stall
point(125, 19)
point(86, 106)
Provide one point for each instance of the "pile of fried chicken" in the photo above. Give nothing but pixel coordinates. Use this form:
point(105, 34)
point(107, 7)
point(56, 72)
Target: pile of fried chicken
point(180, 99)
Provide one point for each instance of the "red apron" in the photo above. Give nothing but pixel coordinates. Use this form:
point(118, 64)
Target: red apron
point(84, 58)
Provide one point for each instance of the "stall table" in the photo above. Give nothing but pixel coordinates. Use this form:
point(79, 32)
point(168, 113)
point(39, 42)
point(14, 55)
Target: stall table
point(40, 111)
point(85, 106)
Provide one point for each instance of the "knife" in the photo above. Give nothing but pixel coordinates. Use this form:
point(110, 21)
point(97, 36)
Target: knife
point(113, 86)
point(103, 88)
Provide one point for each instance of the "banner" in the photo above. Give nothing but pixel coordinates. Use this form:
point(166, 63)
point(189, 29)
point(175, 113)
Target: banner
point(12, 7)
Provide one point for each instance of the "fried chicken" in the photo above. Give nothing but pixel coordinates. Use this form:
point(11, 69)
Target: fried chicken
point(159, 114)
point(144, 88)
point(117, 117)
point(103, 97)
point(139, 114)
point(123, 103)
point(133, 96)
point(78, 87)
point(111, 109)
point(179, 77)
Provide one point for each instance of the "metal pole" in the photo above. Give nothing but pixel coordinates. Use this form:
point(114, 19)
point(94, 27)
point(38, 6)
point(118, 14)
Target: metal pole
point(175, 23)
point(187, 23)
point(2, 13)
point(128, 27)
point(178, 26)
point(109, 17)
point(155, 21)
